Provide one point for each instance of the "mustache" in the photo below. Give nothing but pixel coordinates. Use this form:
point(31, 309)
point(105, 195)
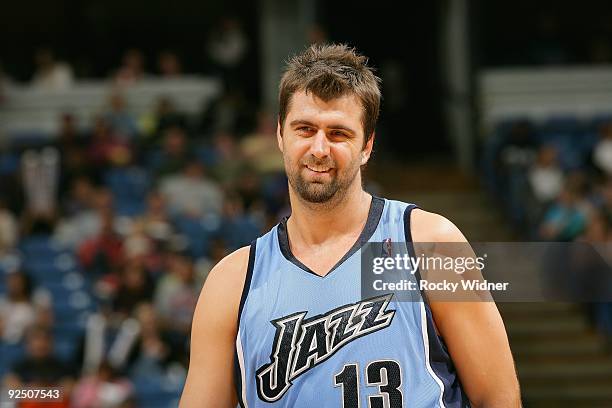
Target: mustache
point(313, 161)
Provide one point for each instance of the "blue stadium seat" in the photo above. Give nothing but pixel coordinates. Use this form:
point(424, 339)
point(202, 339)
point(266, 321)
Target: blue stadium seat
point(585, 141)
point(40, 246)
point(239, 232)
point(19, 140)
point(9, 163)
point(207, 156)
point(561, 124)
point(151, 391)
point(65, 348)
point(197, 235)
point(130, 207)
point(130, 183)
point(9, 354)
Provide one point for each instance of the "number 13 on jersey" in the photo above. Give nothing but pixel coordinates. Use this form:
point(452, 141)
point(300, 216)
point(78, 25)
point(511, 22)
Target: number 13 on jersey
point(384, 374)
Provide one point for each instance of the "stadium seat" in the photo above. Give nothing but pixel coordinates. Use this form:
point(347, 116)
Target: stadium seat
point(197, 235)
point(9, 163)
point(9, 354)
point(561, 124)
point(129, 183)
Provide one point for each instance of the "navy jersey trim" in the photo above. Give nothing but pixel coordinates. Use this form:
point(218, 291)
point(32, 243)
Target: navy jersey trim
point(243, 297)
point(247, 280)
point(374, 214)
point(439, 358)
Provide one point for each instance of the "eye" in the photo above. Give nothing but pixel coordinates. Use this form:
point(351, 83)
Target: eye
point(305, 129)
point(339, 134)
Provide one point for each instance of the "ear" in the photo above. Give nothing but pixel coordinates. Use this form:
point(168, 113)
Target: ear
point(279, 136)
point(367, 149)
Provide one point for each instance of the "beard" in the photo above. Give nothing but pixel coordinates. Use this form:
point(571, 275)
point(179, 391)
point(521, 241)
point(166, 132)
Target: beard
point(319, 191)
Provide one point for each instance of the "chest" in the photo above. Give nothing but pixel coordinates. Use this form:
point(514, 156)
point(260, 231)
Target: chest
point(322, 258)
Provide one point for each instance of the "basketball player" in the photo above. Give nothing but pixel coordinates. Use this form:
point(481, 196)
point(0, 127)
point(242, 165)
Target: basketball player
point(282, 323)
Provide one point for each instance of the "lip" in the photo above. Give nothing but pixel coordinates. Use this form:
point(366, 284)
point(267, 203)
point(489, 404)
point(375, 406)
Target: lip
point(318, 172)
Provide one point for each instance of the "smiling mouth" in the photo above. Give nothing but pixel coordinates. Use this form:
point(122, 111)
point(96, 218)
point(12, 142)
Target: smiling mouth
point(320, 171)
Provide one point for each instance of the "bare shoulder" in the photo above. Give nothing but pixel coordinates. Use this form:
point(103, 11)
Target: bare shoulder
point(432, 227)
point(213, 334)
point(224, 284)
point(229, 272)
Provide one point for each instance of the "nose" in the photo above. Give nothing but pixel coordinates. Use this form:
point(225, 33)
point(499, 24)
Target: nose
point(320, 145)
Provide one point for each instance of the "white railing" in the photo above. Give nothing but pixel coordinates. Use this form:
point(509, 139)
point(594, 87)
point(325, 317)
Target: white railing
point(27, 109)
point(540, 93)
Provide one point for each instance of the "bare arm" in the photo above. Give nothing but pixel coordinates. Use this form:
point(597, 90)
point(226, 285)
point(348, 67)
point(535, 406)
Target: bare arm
point(210, 381)
point(473, 331)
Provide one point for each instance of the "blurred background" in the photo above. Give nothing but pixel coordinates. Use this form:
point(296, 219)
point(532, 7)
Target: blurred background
point(137, 148)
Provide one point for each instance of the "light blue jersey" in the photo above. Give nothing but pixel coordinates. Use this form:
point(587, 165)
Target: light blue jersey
point(308, 341)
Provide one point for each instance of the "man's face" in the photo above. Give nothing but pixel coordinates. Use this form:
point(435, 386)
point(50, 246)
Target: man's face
point(323, 146)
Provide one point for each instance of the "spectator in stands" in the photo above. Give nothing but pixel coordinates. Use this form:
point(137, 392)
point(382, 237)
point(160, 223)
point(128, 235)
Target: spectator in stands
point(104, 389)
point(237, 227)
point(229, 164)
point(519, 147)
point(545, 176)
point(227, 48)
point(68, 135)
point(40, 368)
point(135, 287)
point(132, 69)
point(154, 351)
point(17, 312)
point(191, 193)
point(177, 294)
point(121, 122)
point(106, 148)
point(568, 215)
point(169, 65)
point(40, 175)
point(249, 187)
point(51, 74)
point(90, 206)
point(175, 152)
point(165, 116)
point(156, 224)
point(602, 152)
point(9, 233)
point(596, 229)
point(136, 243)
point(72, 149)
point(81, 197)
point(260, 148)
point(203, 266)
point(231, 112)
point(104, 252)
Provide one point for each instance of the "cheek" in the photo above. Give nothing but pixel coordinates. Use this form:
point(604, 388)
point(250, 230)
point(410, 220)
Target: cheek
point(296, 151)
point(345, 157)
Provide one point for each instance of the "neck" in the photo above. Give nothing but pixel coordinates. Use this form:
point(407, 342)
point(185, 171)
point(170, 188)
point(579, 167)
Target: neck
point(315, 223)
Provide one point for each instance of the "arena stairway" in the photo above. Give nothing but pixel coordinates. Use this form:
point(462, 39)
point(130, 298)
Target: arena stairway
point(561, 360)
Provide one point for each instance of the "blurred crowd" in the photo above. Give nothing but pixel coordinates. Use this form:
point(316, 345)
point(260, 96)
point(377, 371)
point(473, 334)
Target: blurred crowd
point(554, 179)
point(108, 230)
point(226, 52)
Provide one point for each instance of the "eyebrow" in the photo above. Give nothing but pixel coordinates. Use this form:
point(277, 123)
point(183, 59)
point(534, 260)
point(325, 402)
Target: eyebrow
point(333, 126)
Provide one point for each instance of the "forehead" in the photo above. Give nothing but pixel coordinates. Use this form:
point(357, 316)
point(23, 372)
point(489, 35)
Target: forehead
point(346, 110)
